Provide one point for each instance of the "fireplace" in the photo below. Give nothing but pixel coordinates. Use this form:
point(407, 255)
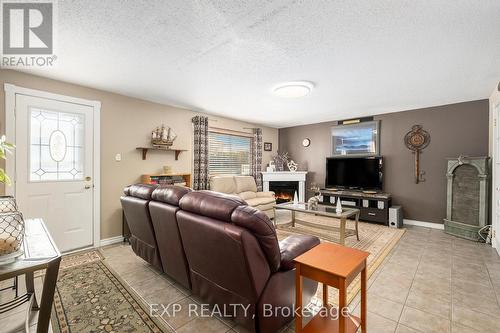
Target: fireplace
point(284, 190)
point(281, 180)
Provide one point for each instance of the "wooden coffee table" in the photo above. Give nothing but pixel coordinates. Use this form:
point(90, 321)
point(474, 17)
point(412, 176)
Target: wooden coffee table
point(327, 211)
point(337, 266)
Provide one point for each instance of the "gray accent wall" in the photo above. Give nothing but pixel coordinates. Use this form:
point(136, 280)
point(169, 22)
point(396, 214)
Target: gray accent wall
point(455, 129)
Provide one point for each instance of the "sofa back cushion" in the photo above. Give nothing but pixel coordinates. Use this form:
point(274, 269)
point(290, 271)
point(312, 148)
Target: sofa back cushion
point(223, 184)
point(163, 210)
point(226, 263)
point(245, 184)
point(212, 204)
point(261, 227)
point(135, 207)
point(169, 194)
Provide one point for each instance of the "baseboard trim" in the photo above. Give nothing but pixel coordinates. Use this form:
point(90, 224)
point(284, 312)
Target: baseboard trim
point(424, 224)
point(110, 241)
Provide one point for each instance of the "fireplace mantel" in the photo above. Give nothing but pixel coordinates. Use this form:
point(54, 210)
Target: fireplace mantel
point(286, 176)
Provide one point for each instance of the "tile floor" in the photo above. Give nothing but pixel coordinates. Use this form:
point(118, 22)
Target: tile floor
point(430, 282)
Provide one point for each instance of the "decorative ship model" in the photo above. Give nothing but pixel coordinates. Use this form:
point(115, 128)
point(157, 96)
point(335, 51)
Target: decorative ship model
point(163, 137)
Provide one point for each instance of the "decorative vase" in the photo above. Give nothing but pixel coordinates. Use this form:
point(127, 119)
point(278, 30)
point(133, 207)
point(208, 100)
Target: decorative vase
point(338, 209)
point(11, 230)
point(295, 198)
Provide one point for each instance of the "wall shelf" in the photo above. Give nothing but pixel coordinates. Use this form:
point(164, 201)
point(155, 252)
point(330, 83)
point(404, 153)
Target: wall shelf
point(146, 149)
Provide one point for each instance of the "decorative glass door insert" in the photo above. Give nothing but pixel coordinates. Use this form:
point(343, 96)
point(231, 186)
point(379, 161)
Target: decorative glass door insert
point(56, 146)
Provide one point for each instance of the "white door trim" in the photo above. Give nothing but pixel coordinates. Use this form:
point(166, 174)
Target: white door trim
point(494, 123)
point(10, 131)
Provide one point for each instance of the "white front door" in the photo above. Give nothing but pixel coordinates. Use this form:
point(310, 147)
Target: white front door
point(53, 168)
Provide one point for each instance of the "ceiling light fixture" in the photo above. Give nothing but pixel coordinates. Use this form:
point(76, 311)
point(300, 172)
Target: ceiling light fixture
point(294, 89)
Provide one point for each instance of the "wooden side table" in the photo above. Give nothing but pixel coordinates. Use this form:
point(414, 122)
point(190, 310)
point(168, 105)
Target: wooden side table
point(337, 266)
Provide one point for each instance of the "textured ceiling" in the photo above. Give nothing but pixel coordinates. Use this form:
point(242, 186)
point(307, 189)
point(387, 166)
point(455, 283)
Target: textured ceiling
point(223, 57)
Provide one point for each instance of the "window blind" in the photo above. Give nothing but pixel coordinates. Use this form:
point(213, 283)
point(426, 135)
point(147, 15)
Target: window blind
point(228, 154)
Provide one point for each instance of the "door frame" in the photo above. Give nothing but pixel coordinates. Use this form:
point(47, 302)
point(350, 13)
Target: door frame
point(494, 102)
point(11, 91)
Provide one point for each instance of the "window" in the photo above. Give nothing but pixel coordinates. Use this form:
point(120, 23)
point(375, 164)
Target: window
point(228, 154)
point(56, 145)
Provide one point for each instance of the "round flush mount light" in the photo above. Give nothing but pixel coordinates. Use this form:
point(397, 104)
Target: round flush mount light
point(294, 89)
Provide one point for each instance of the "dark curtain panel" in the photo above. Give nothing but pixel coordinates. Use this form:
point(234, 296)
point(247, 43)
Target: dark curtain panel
point(200, 153)
point(256, 157)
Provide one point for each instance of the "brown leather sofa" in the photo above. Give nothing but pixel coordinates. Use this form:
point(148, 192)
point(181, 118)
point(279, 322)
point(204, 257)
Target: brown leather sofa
point(163, 209)
point(135, 206)
point(225, 251)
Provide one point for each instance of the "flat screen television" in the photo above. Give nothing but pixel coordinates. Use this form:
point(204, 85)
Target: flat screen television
point(360, 173)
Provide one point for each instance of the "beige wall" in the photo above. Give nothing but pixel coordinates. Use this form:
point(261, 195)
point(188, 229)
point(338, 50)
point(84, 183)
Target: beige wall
point(126, 123)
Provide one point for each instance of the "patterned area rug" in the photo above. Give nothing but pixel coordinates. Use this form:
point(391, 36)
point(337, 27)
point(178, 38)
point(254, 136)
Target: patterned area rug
point(376, 239)
point(90, 297)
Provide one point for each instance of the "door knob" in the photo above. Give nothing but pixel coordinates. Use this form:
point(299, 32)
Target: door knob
point(88, 186)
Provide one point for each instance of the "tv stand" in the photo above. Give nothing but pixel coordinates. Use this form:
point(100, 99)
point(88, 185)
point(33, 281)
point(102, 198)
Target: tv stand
point(373, 207)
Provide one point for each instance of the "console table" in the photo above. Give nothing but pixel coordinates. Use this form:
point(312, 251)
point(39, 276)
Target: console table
point(374, 207)
point(40, 252)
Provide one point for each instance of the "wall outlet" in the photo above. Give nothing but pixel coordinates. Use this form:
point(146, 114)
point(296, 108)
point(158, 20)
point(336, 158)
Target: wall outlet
point(118, 157)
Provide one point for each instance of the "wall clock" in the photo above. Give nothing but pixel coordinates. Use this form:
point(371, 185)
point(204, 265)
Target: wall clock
point(306, 142)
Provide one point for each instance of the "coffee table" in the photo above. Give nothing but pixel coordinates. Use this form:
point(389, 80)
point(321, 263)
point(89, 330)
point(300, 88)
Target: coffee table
point(337, 266)
point(323, 210)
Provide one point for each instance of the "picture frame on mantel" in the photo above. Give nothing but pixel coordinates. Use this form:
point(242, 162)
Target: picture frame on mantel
point(359, 139)
point(268, 146)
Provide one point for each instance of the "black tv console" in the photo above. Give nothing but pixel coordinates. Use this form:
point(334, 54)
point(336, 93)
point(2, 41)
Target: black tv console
point(373, 207)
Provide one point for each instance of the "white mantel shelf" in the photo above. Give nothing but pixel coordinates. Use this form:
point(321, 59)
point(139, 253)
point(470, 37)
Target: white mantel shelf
point(286, 176)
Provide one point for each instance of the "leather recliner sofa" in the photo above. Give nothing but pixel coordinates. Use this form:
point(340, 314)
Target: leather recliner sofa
point(225, 251)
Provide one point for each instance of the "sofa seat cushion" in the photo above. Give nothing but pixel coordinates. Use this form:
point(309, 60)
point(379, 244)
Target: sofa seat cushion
point(247, 195)
point(265, 194)
point(265, 207)
point(260, 201)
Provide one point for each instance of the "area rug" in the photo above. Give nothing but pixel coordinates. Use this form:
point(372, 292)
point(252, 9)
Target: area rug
point(376, 239)
point(91, 297)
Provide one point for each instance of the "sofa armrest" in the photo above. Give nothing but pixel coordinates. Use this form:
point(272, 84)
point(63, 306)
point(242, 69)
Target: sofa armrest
point(265, 194)
point(293, 246)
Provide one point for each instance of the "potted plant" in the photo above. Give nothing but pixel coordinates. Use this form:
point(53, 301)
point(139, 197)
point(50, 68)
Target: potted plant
point(11, 220)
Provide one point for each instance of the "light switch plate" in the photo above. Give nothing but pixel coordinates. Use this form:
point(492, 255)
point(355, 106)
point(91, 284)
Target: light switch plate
point(118, 157)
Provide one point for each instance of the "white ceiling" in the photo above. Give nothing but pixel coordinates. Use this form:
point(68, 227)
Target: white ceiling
point(223, 57)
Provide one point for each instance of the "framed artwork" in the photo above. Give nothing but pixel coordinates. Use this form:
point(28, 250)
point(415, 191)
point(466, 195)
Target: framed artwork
point(361, 139)
point(268, 146)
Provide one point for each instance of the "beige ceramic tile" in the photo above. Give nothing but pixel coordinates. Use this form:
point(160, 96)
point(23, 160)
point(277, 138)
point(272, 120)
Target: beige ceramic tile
point(463, 315)
point(424, 321)
point(379, 324)
point(205, 325)
point(405, 329)
point(382, 307)
point(426, 301)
